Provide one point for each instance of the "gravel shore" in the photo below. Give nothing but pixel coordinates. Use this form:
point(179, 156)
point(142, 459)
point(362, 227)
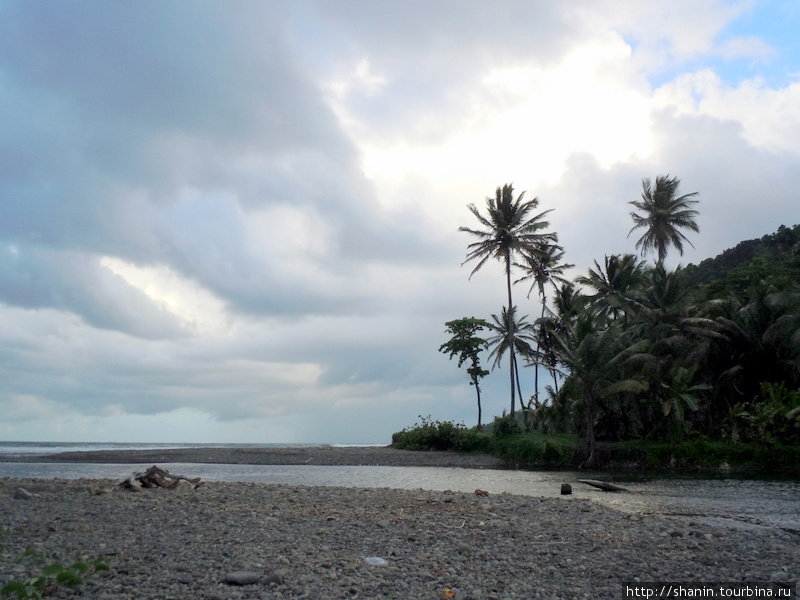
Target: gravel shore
point(232, 541)
point(312, 455)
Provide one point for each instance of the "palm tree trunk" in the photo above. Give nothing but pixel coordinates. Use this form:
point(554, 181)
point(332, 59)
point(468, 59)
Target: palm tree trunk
point(512, 359)
point(590, 433)
point(478, 390)
point(536, 364)
point(519, 387)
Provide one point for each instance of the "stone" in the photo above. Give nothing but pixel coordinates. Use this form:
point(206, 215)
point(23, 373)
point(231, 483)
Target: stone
point(277, 577)
point(566, 489)
point(375, 561)
point(242, 577)
point(780, 576)
point(23, 494)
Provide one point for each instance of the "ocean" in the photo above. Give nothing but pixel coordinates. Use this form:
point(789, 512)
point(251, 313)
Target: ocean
point(40, 448)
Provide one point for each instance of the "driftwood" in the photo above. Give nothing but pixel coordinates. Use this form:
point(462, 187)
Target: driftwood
point(156, 477)
point(603, 485)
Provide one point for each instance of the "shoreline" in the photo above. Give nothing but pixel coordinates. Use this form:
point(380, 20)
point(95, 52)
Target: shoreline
point(384, 456)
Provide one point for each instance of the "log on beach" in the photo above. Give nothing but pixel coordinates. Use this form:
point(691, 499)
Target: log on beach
point(156, 477)
point(603, 485)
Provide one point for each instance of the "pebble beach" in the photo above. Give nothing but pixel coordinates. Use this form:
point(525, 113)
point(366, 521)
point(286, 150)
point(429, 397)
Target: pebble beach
point(222, 541)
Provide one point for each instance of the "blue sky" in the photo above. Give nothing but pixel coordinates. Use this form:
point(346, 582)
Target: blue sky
point(238, 222)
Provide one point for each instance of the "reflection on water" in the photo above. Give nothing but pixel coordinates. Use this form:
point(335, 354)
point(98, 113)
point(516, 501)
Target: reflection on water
point(730, 502)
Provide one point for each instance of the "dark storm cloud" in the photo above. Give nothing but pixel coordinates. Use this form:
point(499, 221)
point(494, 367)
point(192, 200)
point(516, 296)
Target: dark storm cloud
point(112, 111)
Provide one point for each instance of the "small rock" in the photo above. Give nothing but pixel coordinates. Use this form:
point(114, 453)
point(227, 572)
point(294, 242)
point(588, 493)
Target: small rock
point(23, 494)
point(566, 489)
point(480, 492)
point(375, 561)
point(384, 523)
point(779, 576)
point(277, 577)
point(242, 577)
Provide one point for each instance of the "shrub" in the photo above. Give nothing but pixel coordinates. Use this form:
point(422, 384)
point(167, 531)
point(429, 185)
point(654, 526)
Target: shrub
point(441, 435)
point(505, 426)
point(537, 449)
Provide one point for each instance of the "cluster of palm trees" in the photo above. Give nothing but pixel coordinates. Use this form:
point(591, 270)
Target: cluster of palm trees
point(634, 352)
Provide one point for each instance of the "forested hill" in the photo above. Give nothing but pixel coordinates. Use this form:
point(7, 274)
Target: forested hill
point(773, 259)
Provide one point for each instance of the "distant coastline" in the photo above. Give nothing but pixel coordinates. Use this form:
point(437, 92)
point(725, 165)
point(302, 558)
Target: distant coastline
point(245, 454)
point(45, 448)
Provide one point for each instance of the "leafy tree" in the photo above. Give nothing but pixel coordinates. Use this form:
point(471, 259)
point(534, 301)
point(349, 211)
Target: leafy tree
point(508, 230)
point(663, 216)
point(467, 345)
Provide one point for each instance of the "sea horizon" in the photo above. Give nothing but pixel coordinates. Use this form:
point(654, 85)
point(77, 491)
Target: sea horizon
point(31, 448)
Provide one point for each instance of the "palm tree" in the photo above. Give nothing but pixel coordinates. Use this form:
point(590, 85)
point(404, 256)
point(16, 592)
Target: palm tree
point(593, 357)
point(508, 229)
point(512, 335)
point(613, 284)
point(664, 214)
point(543, 266)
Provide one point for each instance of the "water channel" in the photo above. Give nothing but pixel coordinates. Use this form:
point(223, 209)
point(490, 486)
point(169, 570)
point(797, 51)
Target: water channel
point(730, 502)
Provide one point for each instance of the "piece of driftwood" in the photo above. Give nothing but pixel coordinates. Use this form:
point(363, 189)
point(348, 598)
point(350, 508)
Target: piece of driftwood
point(156, 477)
point(603, 485)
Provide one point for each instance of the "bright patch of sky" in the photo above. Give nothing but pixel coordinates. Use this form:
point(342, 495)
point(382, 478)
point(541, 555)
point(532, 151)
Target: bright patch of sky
point(758, 42)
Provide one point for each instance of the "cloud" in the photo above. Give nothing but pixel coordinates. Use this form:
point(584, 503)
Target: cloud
point(216, 218)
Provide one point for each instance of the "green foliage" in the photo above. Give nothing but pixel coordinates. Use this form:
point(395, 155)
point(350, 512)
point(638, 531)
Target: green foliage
point(703, 455)
point(775, 418)
point(537, 450)
point(52, 576)
point(468, 345)
point(506, 426)
point(663, 215)
point(441, 435)
point(688, 361)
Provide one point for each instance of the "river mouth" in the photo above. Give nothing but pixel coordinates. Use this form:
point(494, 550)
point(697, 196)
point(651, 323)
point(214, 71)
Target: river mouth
point(754, 504)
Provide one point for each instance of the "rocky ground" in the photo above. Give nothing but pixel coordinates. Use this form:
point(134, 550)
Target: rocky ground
point(255, 541)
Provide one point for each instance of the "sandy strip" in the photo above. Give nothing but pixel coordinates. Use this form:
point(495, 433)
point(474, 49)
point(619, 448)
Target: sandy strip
point(316, 455)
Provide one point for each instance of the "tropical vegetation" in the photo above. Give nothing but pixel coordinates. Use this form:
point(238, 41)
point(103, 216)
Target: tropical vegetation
point(702, 357)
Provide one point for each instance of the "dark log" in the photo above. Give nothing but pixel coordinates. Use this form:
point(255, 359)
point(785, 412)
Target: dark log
point(603, 485)
point(156, 477)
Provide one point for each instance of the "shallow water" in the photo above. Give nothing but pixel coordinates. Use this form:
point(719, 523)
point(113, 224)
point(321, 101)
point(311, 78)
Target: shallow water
point(730, 502)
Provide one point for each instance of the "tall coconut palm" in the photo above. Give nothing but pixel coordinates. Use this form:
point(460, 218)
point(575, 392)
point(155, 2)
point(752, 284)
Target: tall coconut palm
point(508, 230)
point(664, 214)
point(542, 267)
point(512, 335)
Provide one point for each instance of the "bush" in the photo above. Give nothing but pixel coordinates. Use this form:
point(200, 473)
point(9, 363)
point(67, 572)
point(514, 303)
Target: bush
point(537, 449)
point(441, 435)
point(505, 426)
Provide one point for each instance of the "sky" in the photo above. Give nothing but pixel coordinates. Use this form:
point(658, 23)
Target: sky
point(238, 221)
